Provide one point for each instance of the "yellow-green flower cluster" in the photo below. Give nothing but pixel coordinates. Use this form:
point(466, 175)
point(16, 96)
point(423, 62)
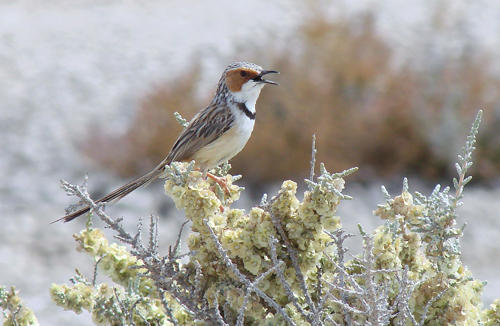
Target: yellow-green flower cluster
point(113, 306)
point(397, 247)
point(394, 251)
point(402, 209)
point(459, 305)
point(77, 297)
point(246, 237)
point(15, 313)
point(114, 260)
point(106, 303)
point(109, 306)
point(491, 316)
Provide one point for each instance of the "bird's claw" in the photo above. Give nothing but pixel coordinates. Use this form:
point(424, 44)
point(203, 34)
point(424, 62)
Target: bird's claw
point(221, 181)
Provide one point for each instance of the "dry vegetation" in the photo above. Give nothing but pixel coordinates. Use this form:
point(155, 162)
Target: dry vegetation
point(343, 86)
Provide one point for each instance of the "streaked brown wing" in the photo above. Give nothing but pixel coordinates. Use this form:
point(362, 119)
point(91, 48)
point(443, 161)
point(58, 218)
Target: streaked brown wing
point(206, 126)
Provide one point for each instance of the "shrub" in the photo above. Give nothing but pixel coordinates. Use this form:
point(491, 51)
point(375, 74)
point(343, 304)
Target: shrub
point(284, 262)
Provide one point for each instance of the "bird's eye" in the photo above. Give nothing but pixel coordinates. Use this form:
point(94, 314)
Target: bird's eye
point(243, 73)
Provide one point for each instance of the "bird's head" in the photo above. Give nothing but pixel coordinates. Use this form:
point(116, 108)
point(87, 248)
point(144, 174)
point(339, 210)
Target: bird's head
point(245, 81)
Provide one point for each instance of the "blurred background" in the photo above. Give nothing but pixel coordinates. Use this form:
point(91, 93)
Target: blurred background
point(90, 87)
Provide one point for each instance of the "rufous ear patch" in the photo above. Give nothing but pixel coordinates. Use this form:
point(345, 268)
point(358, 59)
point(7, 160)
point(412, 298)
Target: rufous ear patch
point(237, 77)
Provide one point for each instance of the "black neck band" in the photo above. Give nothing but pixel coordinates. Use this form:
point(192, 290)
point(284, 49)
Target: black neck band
point(245, 110)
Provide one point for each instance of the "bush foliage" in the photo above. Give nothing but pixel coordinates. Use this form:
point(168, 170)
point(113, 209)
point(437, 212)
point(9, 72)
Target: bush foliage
point(281, 263)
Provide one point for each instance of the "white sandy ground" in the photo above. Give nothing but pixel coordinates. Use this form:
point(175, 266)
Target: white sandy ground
point(65, 67)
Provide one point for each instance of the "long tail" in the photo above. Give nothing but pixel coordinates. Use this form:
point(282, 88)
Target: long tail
point(118, 193)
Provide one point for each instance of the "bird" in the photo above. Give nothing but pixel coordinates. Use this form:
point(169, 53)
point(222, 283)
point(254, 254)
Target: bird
point(214, 135)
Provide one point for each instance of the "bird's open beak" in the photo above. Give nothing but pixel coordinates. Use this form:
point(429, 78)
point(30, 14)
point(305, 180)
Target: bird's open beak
point(265, 72)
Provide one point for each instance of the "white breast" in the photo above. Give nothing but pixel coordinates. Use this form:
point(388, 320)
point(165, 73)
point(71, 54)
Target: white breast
point(229, 144)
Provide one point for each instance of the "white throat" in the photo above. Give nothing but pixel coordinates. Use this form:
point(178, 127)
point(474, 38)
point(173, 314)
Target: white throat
point(249, 94)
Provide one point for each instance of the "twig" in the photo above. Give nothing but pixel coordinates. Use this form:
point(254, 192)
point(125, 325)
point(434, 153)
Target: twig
point(167, 308)
point(313, 158)
point(219, 318)
point(177, 241)
point(339, 237)
point(122, 308)
point(241, 313)
point(94, 278)
point(113, 224)
point(284, 282)
point(197, 279)
point(429, 304)
point(465, 160)
point(153, 234)
point(183, 122)
point(400, 306)
point(14, 314)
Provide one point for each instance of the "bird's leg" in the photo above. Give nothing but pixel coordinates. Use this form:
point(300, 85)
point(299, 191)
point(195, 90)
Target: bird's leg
point(221, 181)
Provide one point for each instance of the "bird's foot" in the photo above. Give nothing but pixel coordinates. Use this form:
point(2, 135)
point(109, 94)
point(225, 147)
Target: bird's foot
point(221, 181)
